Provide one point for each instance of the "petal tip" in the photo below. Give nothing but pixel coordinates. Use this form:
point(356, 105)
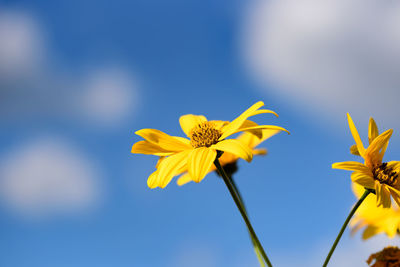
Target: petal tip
point(336, 165)
point(260, 103)
point(151, 184)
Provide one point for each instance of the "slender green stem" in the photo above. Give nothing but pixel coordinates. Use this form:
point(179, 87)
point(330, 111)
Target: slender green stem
point(239, 195)
point(257, 250)
point(239, 205)
point(366, 193)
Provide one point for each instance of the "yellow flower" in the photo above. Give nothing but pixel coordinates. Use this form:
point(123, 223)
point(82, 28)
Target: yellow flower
point(196, 155)
point(248, 139)
point(375, 219)
point(383, 177)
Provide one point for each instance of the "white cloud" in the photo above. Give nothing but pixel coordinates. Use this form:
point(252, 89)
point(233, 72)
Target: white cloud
point(332, 56)
point(195, 254)
point(33, 85)
point(108, 95)
point(21, 45)
point(48, 176)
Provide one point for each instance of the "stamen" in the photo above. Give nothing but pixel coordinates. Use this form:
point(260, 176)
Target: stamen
point(385, 175)
point(204, 135)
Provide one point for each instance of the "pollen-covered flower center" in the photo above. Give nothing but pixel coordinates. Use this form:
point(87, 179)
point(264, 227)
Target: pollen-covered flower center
point(385, 175)
point(204, 135)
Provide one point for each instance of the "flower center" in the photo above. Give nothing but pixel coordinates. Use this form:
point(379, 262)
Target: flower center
point(385, 175)
point(204, 135)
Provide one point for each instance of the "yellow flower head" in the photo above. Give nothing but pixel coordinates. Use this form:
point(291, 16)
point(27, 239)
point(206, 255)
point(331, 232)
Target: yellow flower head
point(383, 177)
point(375, 220)
point(197, 154)
point(248, 139)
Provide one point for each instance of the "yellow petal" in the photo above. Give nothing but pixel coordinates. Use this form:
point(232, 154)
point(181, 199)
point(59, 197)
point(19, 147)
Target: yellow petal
point(260, 127)
point(184, 179)
point(374, 151)
point(384, 147)
point(182, 139)
point(189, 121)
point(145, 147)
point(252, 141)
point(249, 139)
point(171, 166)
point(386, 201)
point(235, 147)
point(260, 151)
point(249, 124)
point(159, 161)
point(226, 158)
point(391, 231)
point(263, 111)
point(363, 179)
point(200, 161)
point(369, 232)
point(382, 195)
point(378, 193)
point(268, 133)
point(356, 136)
point(394, 165)
point(395, 194)
point(163, 140)
point(219, 124)
point(350, 166)
point(372, 130)
point(151, 181)
point(236, 123)
point(354, 150)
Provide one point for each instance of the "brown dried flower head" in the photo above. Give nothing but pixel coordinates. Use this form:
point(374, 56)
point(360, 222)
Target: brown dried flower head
point(388, 257)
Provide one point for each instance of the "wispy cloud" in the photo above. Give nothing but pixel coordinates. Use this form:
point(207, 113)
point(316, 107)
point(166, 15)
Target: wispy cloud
point(48, 176)
point(22, 45)
point(108, 96)
point(332, 56)
point(195, 254)
point(33, 85)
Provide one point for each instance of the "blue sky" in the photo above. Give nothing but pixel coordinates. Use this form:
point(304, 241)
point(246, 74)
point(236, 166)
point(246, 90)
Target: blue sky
point(78, 79)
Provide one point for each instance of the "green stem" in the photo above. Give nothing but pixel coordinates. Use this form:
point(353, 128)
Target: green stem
point(257, 250)
point(239, 205)
point(366, 193)
point(237, 191)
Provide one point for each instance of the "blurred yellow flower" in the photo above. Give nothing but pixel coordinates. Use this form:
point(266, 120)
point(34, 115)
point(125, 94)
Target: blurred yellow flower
point(248, 139)
point(196, 155)
point(376, 220)
point(383, 177)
